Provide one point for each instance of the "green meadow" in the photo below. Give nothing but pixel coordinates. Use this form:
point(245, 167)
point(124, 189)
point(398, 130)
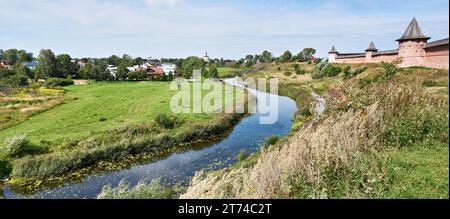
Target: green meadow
point(95, 108)
point(104, 121)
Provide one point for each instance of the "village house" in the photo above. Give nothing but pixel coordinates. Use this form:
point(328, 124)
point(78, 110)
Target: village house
point(4, 64)
point(169, 68)
point(413, 50)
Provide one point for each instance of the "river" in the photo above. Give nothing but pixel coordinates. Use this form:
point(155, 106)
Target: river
point(249, 134)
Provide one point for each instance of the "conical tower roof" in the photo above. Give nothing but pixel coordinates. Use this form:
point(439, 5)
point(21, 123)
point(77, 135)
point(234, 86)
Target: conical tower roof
point(372, 47)
point(413, 32)
point(333, 50)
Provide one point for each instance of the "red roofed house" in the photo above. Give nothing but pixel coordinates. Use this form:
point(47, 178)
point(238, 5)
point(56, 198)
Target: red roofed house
point(155, 72)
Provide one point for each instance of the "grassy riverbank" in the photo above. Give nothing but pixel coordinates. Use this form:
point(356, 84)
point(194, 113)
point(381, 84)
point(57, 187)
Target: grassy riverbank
point(383, 135)
point(103, 122)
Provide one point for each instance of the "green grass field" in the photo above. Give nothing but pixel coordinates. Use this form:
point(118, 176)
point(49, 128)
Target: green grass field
point(118, 104)
point(227, 72)
point(105, 122)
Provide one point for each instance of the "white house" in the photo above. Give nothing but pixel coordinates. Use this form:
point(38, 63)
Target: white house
point(112, 70)
point(169, 68)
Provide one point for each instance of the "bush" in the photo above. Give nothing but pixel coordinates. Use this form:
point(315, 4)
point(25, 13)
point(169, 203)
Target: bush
point(272, 140)
point(347, 73)
point(288, 73)
point(326, 70)
point(390, 69)
point(167, 122)
point(102, 119)
point(417, 125)
point(58, 82)
point(243, 154)
point(19, 146)
point(5, 168)
point(350, 74)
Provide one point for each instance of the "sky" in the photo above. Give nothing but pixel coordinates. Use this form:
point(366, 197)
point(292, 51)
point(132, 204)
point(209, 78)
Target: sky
point(229, 29)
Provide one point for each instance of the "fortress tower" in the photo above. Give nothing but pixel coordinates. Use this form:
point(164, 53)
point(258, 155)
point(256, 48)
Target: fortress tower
point(332, 55)
point(370, 51)
point(411, 45)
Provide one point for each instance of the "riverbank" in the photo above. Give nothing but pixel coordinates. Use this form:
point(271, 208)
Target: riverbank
point(382, 135)
point(114, 147)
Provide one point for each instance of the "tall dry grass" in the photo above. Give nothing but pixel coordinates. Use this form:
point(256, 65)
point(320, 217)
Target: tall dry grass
point(354, 123)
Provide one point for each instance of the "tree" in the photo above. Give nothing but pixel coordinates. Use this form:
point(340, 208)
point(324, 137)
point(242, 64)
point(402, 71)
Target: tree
point(114, 60)
point(11, 56)
point(22, 70)
point(308, 53)
point(190, 64)
point(139, 61)
point(127, 60)
point(47, 66)
point(286, 57)
point(66, 68)
point(24, 56)
point(122, 71)
point(266, 57)
point(138, 75)
point(170, 76)
point(2, 55)
point(85, 72)
point(213, 72)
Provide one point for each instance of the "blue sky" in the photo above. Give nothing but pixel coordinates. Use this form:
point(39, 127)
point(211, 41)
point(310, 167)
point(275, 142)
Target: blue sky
point(229, 29)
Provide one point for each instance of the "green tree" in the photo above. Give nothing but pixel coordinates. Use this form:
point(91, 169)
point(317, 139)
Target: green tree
point(286, 57)
point(308, 53)
point(122, 71)
point(66, 68)
point(190, 64)
point(24, 56)
point(85, 71)
point(2, 55)
point(170, 76)
point(114, 60)
point(266, 57)
point(11, 56)
point(127, 60)
point(23, 70)
point(47, 66)
point(213, 72)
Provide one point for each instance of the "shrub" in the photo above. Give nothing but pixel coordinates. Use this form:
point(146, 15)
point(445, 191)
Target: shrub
point(359, 70)
point(243, 154)
point(19, 146)
point(288, 73)
point(153, 190)
point(272, 140)
point(350, 74)
point(390, 69)
point(167, 122)
point(102, 119)
point(347, 73)
point(5, 168)
point(58, 82)
point(417, 125)
point(326, 70)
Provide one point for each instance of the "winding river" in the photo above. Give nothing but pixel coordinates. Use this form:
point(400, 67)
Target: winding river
point(249, 134)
